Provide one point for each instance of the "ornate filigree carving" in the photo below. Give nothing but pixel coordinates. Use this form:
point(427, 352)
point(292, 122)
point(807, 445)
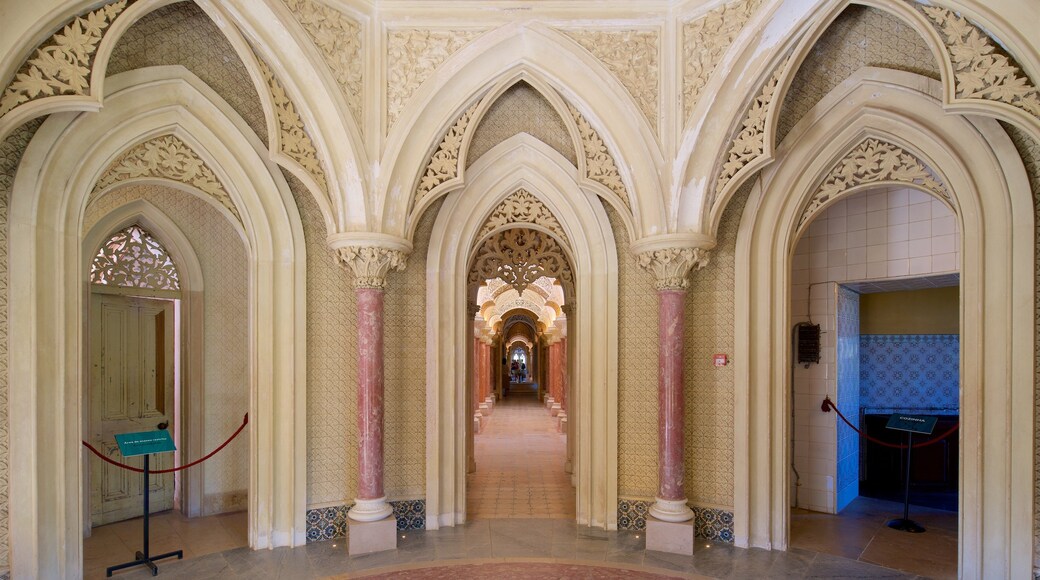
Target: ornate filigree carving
point(293, 140)
point(599, 164)
point(370, 265)
point(339, 39)
point(705, 39)
point(167, 157)
point(980, 70)
point(412, 56)
point(750, 142)
point(670, 266)
point(632, 56)
point(133, 258)
point(523, 207)
point(62, 65)
point(520, 256)
point(874, 161)
point(444, 163)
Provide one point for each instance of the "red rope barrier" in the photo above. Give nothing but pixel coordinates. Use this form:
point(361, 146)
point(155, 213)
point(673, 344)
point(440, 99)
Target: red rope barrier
point(245, 421)
point(828, 405)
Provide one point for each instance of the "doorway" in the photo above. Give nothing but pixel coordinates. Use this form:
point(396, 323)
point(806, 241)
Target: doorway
point(875, 278)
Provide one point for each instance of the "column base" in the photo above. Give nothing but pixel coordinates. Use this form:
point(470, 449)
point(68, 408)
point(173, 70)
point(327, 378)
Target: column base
point(561, 422)
point(671, 537)
point(484, 409)
point(373, 536)
point(556, 408)
point(490, 402)
point(549, 401)
point(671, 510)
point(369, 510)
point(478, 423)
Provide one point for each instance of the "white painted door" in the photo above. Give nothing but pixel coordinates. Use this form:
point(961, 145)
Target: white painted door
point(131, 389)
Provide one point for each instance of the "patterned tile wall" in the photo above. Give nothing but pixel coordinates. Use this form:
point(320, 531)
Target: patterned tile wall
point(709, 523)
point(225, 271)
point(848, 399)
point(860, 36)
point(329, 523)
point(708, 426)
point(637, 371)
point(11, 150)
point(521, 109)
point(905, 372)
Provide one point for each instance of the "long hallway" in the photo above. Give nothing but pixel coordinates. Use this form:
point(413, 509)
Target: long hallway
point(520, 465)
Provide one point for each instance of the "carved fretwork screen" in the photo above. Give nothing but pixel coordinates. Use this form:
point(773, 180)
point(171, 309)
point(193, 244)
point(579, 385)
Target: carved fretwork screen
point(520, 256)
point(133, 258)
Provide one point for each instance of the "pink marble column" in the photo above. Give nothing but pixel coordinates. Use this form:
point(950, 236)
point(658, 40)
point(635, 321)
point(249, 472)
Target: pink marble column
point(563, 374)
point(670, 395)
point(370, 504)
point(476, 375)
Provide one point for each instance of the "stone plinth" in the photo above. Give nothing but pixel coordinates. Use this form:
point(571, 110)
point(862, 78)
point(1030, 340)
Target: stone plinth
point(368, 537)
point(671, 537)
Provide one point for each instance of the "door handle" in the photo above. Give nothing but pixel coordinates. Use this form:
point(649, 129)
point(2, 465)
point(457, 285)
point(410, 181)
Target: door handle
point(163, 425)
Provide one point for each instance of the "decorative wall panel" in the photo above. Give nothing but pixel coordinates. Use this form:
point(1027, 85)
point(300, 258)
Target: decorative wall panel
point(330, 523)
point(11, 150)
point(332, 431)
point(405, 370)
point(902, 372)
point(705, 40)
point(637, 371)
point(632, 56)
point(521, 109)
point(226, 314)
point(709, 523)
point(860, 36)
point(709, 389)
point(412, 57)
point(183, 34)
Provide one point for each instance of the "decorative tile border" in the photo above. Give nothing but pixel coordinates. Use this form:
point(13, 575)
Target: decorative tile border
point(331, 522)
point(709, 523)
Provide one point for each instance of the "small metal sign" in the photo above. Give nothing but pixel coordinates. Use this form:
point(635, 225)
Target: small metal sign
point(912, 423)
point(144, 443)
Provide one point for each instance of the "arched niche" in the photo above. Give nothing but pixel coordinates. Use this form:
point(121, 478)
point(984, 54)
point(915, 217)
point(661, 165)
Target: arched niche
point(537, 168)
point(65, 159)
point(994, 207)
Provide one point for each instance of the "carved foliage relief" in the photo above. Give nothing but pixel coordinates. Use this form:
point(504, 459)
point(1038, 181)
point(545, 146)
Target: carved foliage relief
point(167, 157)
point(874, 161)
point(599, 164)
point(412, 56)
point(444, 163)
point(133, 258)
point(62, 64)
point(520, 256)
point(632, 56)
point(339, 39)
point(293, 138)
point(705, 39)
point(981, 71)
point(522, 207)
point(750, 142)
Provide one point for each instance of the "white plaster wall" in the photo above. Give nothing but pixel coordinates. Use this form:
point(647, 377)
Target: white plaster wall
point(222, 255)
point(889, 232)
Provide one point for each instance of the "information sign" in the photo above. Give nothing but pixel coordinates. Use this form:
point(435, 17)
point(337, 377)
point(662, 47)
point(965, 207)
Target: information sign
point(912, 423)
point(145, 442)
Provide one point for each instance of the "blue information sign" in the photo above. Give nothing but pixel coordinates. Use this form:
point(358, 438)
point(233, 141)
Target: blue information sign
point(145, 442)
point(912, 423)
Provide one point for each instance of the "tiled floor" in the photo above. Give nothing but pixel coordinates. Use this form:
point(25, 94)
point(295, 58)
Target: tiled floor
point(520, 465)
point(116, 543)
point(860, 533)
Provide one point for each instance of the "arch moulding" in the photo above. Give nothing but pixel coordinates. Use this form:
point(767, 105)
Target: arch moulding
point(523, 162)
point(65, 160)
point(981, 169)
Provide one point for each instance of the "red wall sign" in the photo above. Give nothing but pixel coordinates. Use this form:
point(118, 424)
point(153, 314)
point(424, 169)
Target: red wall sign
point(721, 360)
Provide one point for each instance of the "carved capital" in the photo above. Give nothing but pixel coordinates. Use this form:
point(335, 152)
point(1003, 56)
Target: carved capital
point(670, 265)
point(370, 265)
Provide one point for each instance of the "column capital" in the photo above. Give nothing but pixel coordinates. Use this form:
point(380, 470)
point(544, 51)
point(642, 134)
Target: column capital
point(370, 257)
point(670, 266)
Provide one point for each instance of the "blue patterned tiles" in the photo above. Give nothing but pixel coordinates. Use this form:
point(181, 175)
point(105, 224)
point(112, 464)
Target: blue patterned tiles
point(331, 522)
point(906, 372)
point(709, 523)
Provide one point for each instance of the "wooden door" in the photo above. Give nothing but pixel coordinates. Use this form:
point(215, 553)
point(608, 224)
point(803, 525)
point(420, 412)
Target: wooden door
point(131, 389)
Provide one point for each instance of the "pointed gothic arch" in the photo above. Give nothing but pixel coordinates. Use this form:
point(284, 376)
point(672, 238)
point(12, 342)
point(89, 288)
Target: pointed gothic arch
point(994, 203)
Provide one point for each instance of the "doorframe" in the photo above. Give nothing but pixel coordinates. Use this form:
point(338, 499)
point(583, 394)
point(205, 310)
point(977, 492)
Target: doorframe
point(523, 162)
point(55, 178)
point(984, 173)
point(190, 423)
